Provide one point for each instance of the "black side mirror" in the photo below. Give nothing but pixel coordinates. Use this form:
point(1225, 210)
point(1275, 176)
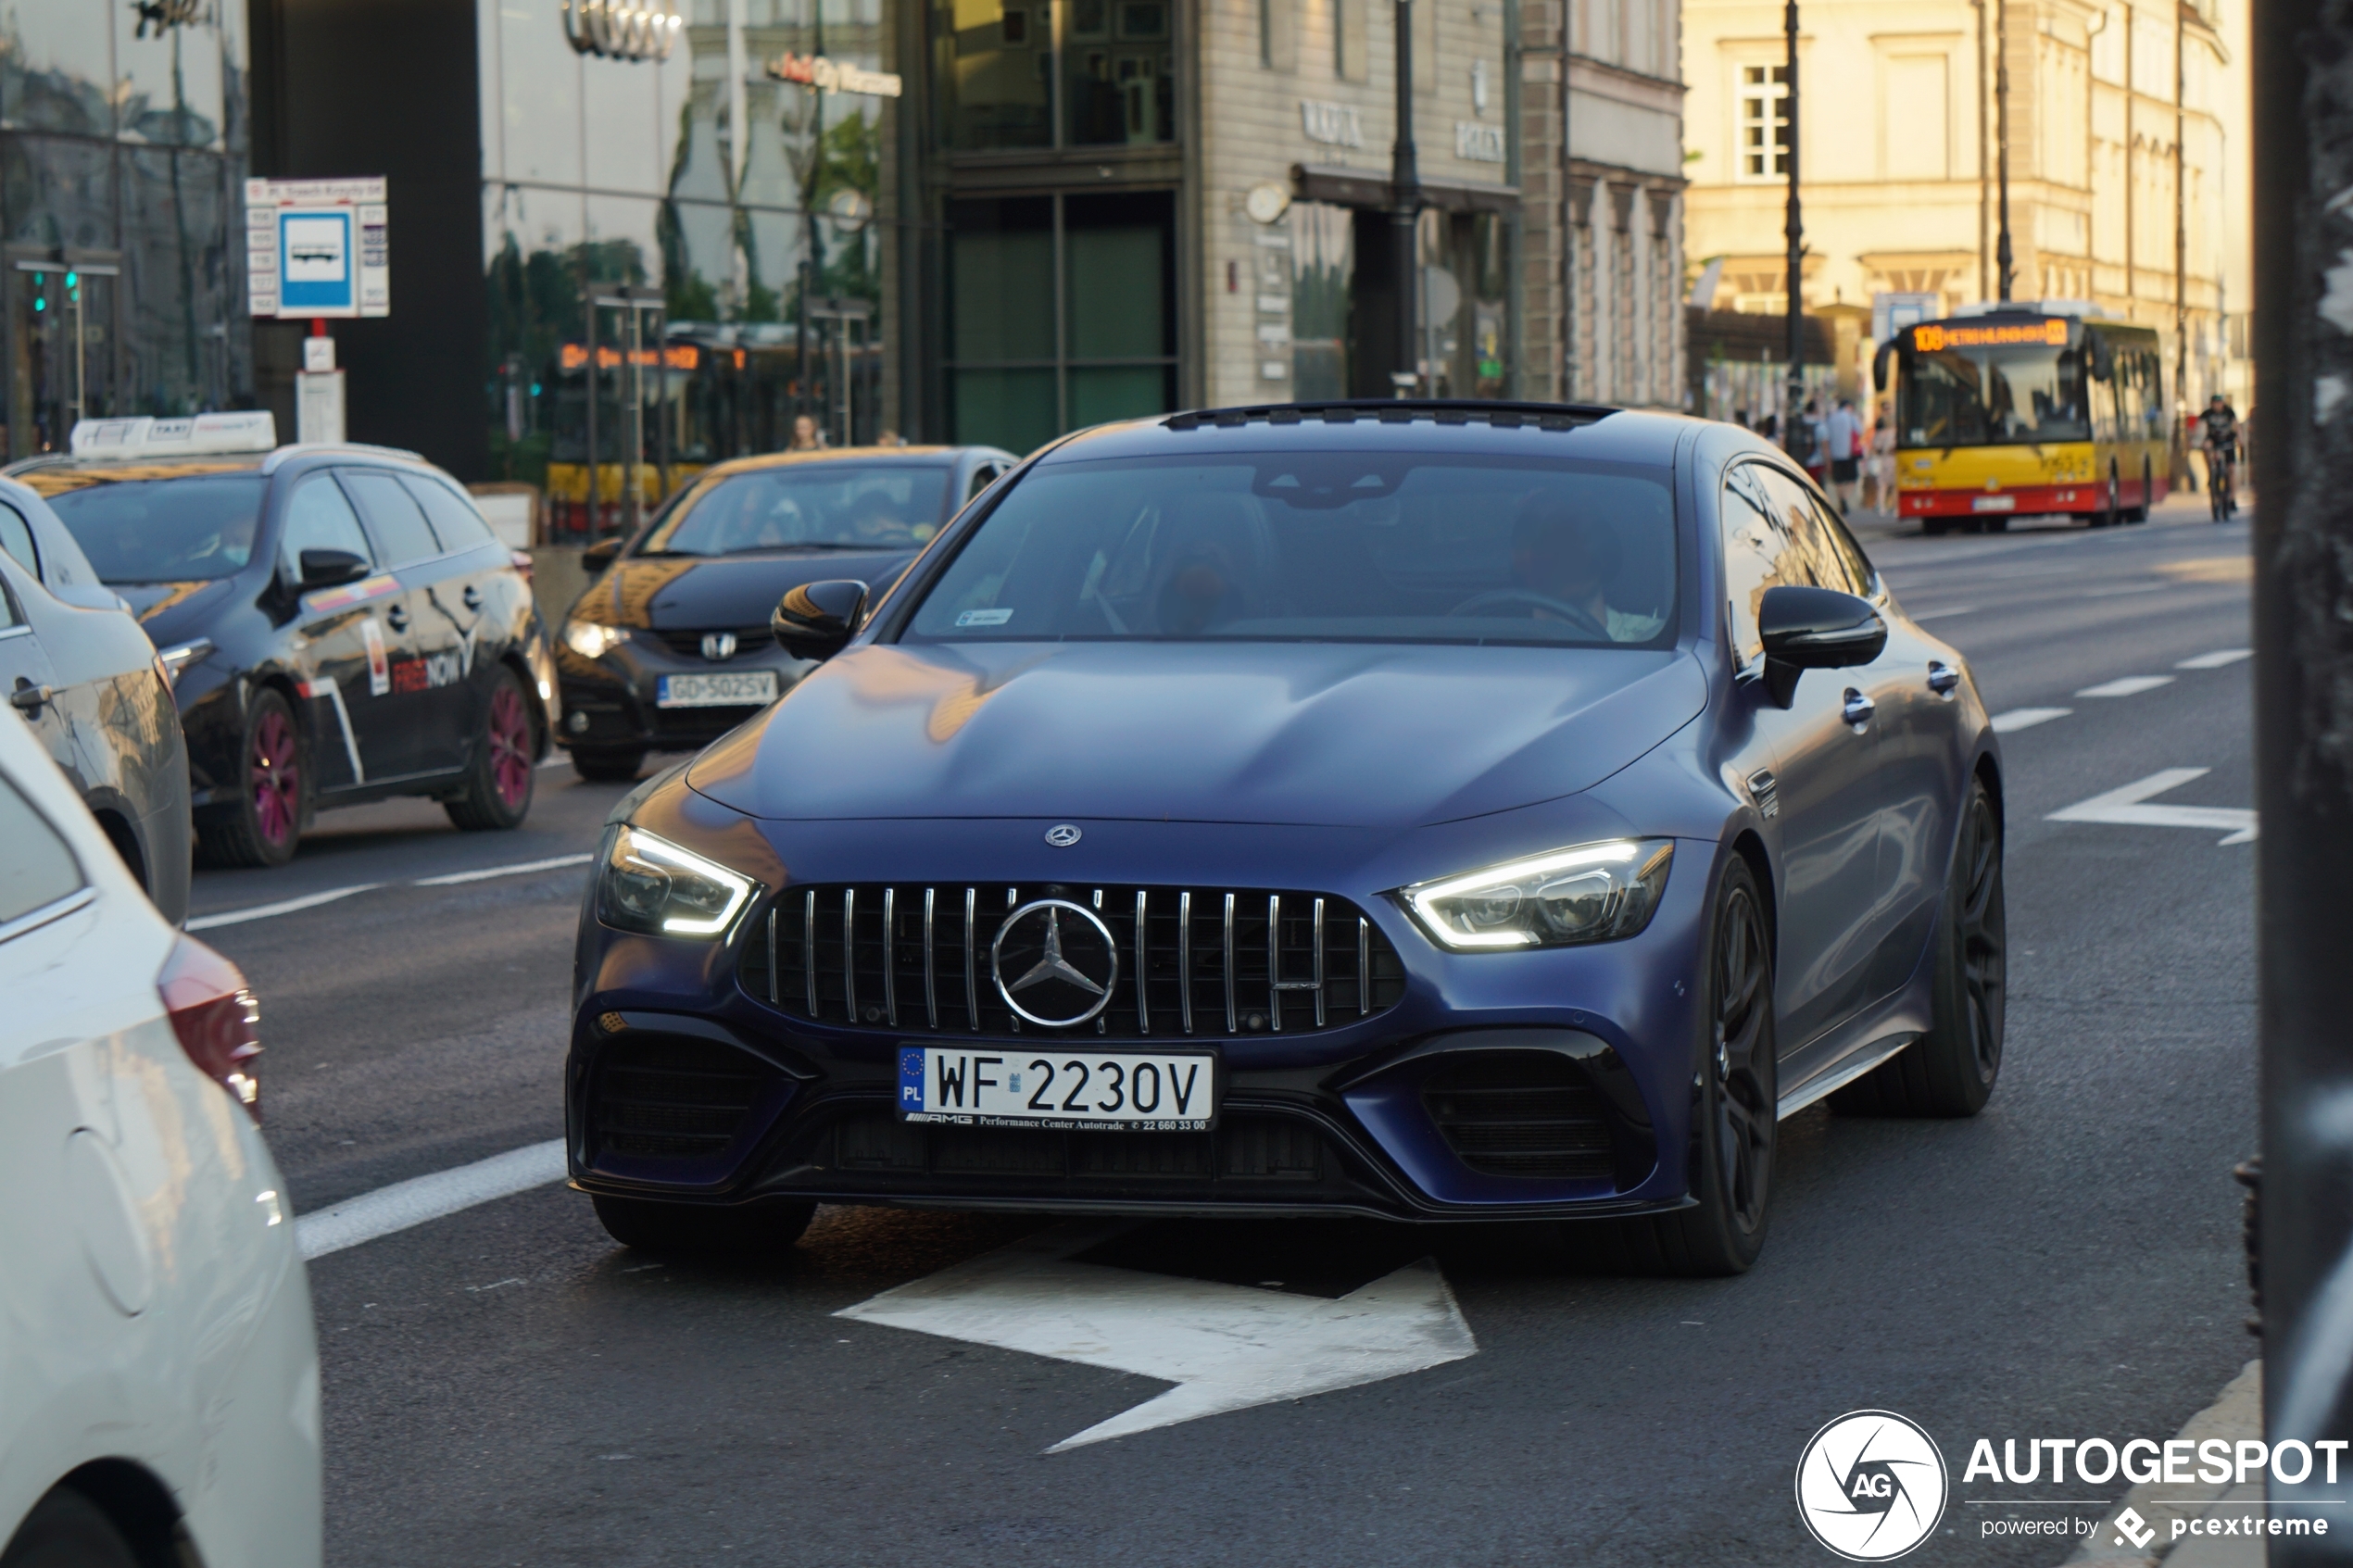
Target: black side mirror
point(1814, 629)
point(816, 619)
point(1880, 362)
point(602, 554)
point(326, 568)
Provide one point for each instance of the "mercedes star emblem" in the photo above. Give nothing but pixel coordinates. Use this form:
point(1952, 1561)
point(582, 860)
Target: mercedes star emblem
point(1062, 835)
point(1058, 984)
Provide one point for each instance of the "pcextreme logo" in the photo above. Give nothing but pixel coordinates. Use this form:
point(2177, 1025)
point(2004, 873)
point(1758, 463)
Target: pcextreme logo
point(1871, 1486)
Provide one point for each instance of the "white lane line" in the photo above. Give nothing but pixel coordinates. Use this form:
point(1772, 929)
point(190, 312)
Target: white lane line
point(2216, 660)
point(404, 1204)
point(518, 868)
point(1940, 614)
point(2025, 719)
point(290, 906)
point(2123, 806)
point(1226, 1347)
point(2126, 588)
point(2131, 685)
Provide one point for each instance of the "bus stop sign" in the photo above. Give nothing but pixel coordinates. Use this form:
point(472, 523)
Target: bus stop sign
point(318, 247)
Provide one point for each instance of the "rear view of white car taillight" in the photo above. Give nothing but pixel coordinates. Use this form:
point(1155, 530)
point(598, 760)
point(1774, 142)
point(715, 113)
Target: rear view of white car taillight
point(214, 1016)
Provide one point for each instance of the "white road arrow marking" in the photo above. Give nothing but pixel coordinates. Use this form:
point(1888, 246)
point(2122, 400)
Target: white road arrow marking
point(1226, 1347)
point(2124, 806)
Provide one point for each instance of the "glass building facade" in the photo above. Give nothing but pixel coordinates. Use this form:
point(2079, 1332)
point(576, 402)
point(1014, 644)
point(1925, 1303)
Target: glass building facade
point(123, 146)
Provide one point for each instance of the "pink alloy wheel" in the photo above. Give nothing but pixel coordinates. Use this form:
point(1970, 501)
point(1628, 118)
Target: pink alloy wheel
point(510, 748)
point(277, 782)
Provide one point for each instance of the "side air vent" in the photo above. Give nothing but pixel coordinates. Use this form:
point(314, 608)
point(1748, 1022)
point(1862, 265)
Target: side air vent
point(1522, 1113)
point(670, 1096)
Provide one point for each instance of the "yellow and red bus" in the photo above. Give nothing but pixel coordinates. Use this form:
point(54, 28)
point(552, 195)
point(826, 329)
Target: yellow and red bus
point(2021, 410)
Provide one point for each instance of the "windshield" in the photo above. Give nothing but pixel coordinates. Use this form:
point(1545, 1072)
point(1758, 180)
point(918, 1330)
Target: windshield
point(822, 506)
point(1379, 546)
point(1992, 396)
point(165, 530)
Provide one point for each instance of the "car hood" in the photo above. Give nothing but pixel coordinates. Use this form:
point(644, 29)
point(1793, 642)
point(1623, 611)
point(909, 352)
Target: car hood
point(174, 612)
point(1292, 734)
point(692, 592)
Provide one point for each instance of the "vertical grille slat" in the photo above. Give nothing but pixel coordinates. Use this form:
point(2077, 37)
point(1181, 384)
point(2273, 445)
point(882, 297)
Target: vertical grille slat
point(852, 954)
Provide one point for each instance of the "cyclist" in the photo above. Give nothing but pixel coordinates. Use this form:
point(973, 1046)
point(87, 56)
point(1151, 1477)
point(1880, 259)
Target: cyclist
point(2221, 440)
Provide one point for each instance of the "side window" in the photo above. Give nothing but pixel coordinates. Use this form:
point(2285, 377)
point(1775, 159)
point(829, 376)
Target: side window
point(37, 867)
point(454, 521)
point(11, 614)
point(318, 517)
point(395, 522)
point(15, 537)
point(1823, 565)
point(983, 477)
point(1860, 569)
point(1758, 554)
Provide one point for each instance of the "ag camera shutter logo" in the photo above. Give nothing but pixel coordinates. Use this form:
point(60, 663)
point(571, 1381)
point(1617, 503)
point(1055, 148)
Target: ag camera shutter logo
point(1872, 1485)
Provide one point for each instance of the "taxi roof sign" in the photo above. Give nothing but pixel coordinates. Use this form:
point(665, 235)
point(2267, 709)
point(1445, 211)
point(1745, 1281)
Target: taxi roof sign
point(202, 435)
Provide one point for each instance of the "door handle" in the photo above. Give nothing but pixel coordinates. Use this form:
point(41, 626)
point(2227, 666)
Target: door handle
point(472, 595)
point(1859, 708)
point(29, 699)
point(397, 618)
point(1942, 677)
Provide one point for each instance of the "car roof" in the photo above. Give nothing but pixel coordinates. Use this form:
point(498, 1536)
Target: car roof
point(1498, 428)
point(913, 456)
point(73, 473)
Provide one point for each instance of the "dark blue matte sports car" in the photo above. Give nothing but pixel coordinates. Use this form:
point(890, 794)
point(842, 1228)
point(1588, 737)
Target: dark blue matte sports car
point(1437, 811)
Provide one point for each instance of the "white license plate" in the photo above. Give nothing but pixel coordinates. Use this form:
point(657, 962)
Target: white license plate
point(1022, 1086)
point(744, 688)
point(1995, 504)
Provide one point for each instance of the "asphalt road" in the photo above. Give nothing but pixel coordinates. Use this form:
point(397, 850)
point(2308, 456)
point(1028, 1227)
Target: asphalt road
point(504, 1385)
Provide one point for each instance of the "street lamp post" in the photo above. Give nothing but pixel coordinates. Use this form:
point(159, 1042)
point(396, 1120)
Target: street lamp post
point(1405, 195)
point(2002, 268)
point(1794, 230)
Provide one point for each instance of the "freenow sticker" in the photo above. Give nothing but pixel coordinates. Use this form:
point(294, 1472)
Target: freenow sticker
point(371, 632)
point(984, 617)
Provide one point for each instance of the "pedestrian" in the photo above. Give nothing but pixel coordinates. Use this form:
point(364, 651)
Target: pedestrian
point(1882, 496)
point(1768, 426)
point(890, 438)
point(806, 436)
point(1844, 430)
point(1807, 441)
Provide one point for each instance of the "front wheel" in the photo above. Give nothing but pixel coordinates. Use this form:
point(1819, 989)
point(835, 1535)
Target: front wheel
point(599, 764)
point(498, 784)
point(262, 826)
point(747, 1229)
point(1735, 1110)
point(1950, 1070)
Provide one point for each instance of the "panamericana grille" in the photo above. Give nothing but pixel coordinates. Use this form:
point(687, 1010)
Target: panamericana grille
point(1191, 961)
point(673, 1097)
point(1522, 1113)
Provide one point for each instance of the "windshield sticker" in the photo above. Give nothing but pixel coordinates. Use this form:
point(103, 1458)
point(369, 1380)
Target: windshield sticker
point(350, 594)
point(371, 632)
point(984, 617)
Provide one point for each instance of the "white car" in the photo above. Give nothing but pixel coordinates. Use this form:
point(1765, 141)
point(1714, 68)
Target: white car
point(158, 1370)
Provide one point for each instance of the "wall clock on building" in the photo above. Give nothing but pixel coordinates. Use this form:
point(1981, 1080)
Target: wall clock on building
point(1267, 201)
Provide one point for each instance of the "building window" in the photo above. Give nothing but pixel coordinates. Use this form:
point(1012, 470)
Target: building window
point(1764, 132)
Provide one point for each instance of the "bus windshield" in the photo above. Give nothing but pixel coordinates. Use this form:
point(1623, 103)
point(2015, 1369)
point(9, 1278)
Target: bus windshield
point(2013, 394)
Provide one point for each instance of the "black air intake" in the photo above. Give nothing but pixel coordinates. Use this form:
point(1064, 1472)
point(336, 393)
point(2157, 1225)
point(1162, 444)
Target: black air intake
point(671, 1096)
point(1522, 1113)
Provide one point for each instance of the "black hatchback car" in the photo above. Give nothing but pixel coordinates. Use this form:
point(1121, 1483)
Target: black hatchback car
point(341, 622)
point(670, 648)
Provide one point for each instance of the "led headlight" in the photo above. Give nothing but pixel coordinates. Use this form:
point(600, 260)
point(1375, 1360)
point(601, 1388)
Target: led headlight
point(591, 640)
point(649, 884)
point(1592, 893)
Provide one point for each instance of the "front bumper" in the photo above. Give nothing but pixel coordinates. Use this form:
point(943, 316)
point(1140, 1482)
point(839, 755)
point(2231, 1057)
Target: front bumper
point(614, 701)
point(685, 1085)
point(2025, 500)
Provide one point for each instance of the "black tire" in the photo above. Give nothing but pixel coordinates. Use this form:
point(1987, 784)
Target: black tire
point(2148, 494)
point(1997, 525)
point(1734, 1118)
point(699, 1230)
point(67, 1530)
point(600, 764)
point(1933, 527)
point(1951, 1070)
point(500, 779)
point(2113, 513)
point(263, 825)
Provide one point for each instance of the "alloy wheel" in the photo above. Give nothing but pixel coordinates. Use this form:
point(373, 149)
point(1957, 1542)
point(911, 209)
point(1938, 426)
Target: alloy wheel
point(1743, 1099)
point(275, 777)
point(1983, 935)
point(509, 747)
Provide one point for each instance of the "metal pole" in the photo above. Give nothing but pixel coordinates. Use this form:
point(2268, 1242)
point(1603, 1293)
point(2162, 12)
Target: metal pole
point(80, 375)
point(2303, 538)
point(661, 421)
point(1984, 172)
point(2003, 271)
point(2174, 444)
point(1794, 230)
point(588, 380)
point(633, 382)
point(1405, 183)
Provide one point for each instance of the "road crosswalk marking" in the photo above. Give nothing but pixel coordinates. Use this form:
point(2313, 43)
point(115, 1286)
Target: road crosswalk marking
point(2128, 807)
